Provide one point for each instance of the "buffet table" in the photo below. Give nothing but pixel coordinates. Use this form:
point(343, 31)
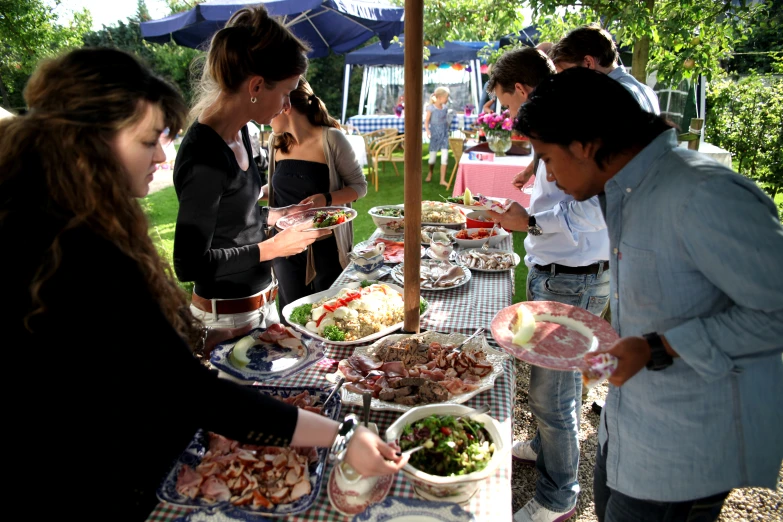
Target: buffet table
point(462, 310)
point(365, 124)
point(494, 178)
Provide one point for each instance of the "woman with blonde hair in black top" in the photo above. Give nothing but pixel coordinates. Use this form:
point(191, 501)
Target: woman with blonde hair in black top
point(221, 240)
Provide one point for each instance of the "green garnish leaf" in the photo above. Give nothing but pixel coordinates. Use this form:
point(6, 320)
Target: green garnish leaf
point(333, 333)
point(301, 314)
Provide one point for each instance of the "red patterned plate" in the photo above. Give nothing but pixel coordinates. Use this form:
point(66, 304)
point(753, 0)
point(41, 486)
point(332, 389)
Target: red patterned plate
point(351, 506)
point(564, 333)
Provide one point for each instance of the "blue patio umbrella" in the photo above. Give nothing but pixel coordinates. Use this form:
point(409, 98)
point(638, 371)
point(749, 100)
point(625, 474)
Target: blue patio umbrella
point(337, 25)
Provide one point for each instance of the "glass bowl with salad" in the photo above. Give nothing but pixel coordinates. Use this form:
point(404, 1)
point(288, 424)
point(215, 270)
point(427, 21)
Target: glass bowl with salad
point(458, 455)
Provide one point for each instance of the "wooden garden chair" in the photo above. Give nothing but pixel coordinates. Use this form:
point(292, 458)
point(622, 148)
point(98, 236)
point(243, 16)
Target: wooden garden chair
point(370, 142)
point(384, 153)
point(457, 147)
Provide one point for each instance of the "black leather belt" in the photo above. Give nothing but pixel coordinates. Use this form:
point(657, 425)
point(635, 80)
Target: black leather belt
point(562, 269)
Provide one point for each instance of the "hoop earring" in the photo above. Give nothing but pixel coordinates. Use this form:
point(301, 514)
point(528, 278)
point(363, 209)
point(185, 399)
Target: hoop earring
point(253, 99)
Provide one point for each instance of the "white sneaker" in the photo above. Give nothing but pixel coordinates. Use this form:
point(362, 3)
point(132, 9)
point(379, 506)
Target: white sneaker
point(535, 512)
point(522, 451)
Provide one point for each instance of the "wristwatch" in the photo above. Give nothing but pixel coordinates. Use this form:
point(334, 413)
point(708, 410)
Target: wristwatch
point(532, 228)
point(659, 359)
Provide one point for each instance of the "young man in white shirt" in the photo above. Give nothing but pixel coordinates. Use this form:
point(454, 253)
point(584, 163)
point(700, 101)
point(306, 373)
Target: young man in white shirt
point(567, 252)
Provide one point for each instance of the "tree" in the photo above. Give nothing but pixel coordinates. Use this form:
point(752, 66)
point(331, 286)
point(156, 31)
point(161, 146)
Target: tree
point(470, 20)
point(759, 51)
point(678, 39)
point(29, 32)
point(746, 118)
point(170, 60)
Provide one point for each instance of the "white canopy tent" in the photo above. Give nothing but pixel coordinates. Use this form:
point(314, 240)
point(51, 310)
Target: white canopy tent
point(455, 65)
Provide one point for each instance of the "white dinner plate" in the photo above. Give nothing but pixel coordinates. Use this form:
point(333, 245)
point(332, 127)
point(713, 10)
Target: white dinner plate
point(314, 298)
point(307, 215)
point(395, 509)
point(462, 254)
point(494, 357)
point(398, 271)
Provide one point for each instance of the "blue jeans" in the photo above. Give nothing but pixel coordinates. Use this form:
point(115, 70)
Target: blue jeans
point(613, 506)
point(555, 397)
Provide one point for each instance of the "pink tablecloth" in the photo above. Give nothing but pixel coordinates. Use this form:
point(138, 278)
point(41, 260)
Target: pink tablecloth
point(493, 178)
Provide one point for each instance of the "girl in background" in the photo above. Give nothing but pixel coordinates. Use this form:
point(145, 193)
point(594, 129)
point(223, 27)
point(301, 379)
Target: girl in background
point(310, 160)
point(437, 125)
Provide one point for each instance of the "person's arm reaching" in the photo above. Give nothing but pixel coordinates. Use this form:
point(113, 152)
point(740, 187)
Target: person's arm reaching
point(732, 232)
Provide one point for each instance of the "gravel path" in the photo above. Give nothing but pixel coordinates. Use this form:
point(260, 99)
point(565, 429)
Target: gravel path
point(746, 504)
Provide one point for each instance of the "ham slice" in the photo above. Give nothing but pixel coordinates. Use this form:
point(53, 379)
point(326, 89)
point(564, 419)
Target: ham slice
point(351, 373)
point(394, 252)
point(215, 489)
point(394, 369)
point(275, 333)
point(363, 363)
point(188, 482)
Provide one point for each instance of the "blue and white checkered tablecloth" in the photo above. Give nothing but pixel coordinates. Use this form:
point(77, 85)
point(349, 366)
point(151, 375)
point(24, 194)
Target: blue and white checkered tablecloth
point(365, 124)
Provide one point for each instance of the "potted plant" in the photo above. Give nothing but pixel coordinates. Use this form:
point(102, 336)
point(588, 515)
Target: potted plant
point(497, 128)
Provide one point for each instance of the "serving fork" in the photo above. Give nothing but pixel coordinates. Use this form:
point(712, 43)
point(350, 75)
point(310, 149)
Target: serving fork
point(485, 246)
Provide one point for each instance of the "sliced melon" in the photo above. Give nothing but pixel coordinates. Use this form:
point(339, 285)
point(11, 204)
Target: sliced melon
point(525, 326)
point(238, 354)
point(467, 197)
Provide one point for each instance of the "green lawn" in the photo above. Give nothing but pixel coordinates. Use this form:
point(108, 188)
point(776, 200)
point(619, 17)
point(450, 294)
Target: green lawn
point(161, 208)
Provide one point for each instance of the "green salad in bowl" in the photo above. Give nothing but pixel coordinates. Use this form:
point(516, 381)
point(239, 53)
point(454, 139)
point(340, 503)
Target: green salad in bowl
point(459, 455)
point(452, 446)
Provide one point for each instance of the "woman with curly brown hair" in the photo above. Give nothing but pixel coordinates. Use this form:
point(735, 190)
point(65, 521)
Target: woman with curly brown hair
point(310, 160)
point(221, 241)
point(108, 392)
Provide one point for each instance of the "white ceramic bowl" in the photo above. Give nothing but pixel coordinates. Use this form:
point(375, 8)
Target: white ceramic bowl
point(452, 489)
point(476, 243)
point(387, 223)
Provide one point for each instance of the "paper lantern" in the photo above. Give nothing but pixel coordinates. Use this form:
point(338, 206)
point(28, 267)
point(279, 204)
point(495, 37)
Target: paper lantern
point(469, 68)
point(484, 69)
point(431, 67)
point(444, 66)
point(457, 66)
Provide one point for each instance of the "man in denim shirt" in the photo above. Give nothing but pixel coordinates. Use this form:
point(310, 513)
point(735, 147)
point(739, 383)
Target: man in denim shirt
point(696, 403)
point(567, 251)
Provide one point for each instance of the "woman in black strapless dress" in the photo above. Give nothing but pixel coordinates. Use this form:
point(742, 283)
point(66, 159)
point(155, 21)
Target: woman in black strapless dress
point(310, 159)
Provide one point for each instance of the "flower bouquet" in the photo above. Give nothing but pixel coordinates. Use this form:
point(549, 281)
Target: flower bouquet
point(497, 128)
point(398, 109)
point(469, 108)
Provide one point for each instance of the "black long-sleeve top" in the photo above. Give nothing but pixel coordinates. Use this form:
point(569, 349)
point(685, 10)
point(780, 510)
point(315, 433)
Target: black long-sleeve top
point(219, 223)
point(104, 396)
